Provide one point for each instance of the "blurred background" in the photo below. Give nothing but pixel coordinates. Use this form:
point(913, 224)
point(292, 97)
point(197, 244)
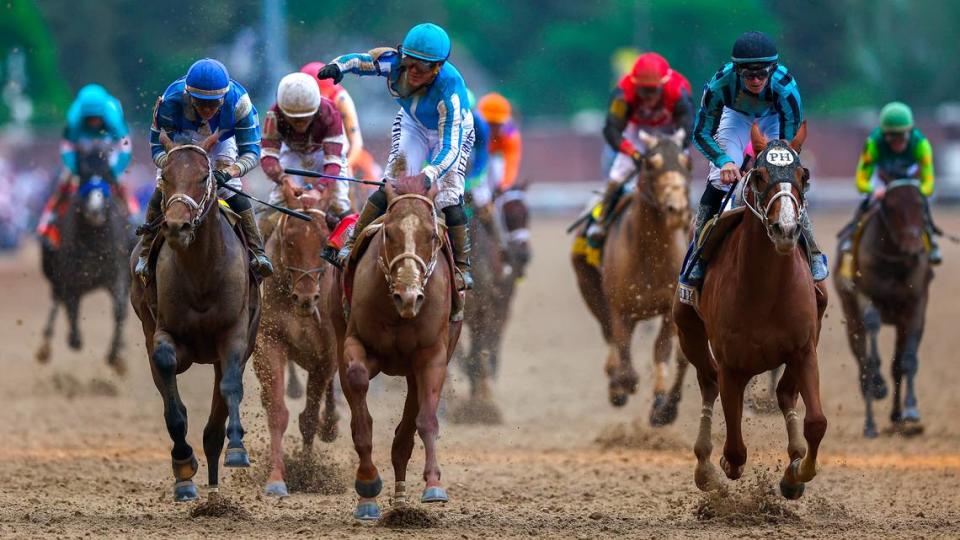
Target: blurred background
point(555, 60)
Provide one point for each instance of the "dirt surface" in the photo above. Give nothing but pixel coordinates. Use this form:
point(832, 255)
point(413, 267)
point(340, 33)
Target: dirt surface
point(85, 453)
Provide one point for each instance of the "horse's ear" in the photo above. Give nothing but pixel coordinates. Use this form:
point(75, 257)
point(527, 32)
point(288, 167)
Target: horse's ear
point(797, 142)
point(758, 140)
point(648, 140)
point(211, 141)
point(166, 141)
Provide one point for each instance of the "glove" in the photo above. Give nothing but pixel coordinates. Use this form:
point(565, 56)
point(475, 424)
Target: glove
point(222, 177)
point(331, 71)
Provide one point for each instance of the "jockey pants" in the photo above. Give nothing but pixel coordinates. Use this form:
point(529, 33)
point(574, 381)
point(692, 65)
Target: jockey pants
point(733, 136)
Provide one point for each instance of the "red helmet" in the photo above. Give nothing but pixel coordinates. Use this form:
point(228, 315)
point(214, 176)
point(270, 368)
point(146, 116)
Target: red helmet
point(650, 70)
point(327, 88)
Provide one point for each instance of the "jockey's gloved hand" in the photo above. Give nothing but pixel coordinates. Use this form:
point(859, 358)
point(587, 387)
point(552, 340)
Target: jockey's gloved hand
point(637, 158)
point(331, 71)
point(222, 177)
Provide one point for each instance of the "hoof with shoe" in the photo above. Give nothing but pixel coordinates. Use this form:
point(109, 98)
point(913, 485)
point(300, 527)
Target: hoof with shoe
point(367, 510)
point(664, 411)
point(788, 490)
point(277, 489)
point(368, 490)
point(434, 494)
point(870, 432)
point(618, 399)
point(732, 472)
point(185, 491)
point(236, 457)
point(705, 477)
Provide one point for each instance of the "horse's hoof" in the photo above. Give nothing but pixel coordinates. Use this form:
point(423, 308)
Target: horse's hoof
point(43, 353)
point(618, 400)
point(75, 342)
point(870, 432)
point(663, 413)
point(705, 477)
point(911, 414)
point(791, 492)
point(732, 472)
point(369, 490)
point(434, 494)
point(367, 511)
point(329, 433)
point(236, 457)
point(185, 491)
point(277, 489)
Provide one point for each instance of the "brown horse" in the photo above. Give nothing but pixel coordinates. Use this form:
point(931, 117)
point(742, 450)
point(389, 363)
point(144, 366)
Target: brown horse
point(759, 308)
point(203, 307)
point(641, 259)
point(399, 324)
point(296, 327)
point(888, 283)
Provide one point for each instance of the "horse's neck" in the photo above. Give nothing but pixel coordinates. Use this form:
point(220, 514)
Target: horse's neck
point(649, 224)
point(757, 261)
point(204, 256)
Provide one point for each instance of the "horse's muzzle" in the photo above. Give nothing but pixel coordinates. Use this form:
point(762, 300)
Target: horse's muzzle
point(408, 302)
point(784, 239)
point(179, 234)
point(305, 305)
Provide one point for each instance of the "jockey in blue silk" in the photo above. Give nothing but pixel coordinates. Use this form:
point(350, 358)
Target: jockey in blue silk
point(193, 107)
point(94, 123)
point(434, 126)
point(753, 87)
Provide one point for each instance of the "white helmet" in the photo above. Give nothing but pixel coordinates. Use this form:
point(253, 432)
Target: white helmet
point(298, 95)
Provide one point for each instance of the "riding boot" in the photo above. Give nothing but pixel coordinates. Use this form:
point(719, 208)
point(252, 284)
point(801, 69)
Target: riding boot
point(267, 224)
point(816, 258)
point(846, 233)
point(460, 244)
point(597, 231)
point(149, 235)
point(260, 262)
point(375, 207)
point(710, 204)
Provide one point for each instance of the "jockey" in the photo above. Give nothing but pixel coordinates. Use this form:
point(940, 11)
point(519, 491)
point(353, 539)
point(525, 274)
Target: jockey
point(751, 88)
point(304, 131)
point(895, 150)
point(193, 107)
point(94, 118)
point(654, 97)
point(504, 140)
point(357, 156)
point(476, 175)
point(434, 126)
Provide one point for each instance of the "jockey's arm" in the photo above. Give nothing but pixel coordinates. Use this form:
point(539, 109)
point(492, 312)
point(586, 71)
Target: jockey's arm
point(351, 126)
point(247, 133)
point(271, 142)
point(378, 61)
point(683, 117)
point(449, 126)
point(618, 112)
point(512, 148)
point(866, 165)
point(789, 108)
point(707, 122)
point(163, 119)
point(925, 162)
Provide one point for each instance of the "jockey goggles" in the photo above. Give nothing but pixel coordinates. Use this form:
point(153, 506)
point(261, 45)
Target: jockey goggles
point(421, 66)
point(756, 71)
point(896, 136)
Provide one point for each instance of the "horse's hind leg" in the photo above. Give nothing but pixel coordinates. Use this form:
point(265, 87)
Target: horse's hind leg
point(163, 366)
point(114, 356)
point(355, 380)
point(215, 432)
point(310, 417)
point(294, 386)
point(906, 362)
point(732, 385)
point(403, 441)
point(665, 403)
point(74, 340)
point(329, 429)
point(623, 377)
point(268, 363)
point(43, 353)
point(430, 377)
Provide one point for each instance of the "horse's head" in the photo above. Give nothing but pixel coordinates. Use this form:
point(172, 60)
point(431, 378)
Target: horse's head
point(299, 244)
point(93, 169)
point(665, 179)
point(410, 245)
point(188, 188)
point(902, 210)
point(774, 190)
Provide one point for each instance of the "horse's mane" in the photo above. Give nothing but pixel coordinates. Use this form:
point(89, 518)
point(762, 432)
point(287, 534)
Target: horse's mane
point(403, 184)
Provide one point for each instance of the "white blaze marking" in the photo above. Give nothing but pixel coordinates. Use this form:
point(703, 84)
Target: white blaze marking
point(409, 226)
point(788, 212)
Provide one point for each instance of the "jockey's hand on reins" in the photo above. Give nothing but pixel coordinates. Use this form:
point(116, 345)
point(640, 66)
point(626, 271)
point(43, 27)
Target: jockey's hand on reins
point(222, 177)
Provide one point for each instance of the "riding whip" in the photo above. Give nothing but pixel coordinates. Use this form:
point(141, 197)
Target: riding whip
point(282, 210)
point(314, 174)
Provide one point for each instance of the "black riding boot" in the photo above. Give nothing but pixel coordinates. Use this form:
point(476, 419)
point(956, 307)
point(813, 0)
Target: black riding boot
point(460, 244)
point(710, 203)
point(248, 222)
point(935, 256)
point(149, 234)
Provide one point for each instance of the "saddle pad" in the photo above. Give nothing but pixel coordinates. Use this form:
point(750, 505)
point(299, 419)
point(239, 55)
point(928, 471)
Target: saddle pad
point(343, 230)
point(716, 230)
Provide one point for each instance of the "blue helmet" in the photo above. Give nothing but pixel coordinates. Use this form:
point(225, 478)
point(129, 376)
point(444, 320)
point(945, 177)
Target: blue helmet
point(208, 79)
point(93, 100)
point(427, 41)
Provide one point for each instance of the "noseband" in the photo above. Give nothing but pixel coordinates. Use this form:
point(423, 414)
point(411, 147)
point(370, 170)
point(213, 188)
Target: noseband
point(198, 210)
point(297, 274)
point(387, 264)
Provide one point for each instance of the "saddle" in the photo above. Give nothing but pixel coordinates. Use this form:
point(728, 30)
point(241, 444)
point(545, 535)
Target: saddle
point(360, 246)
point(711, 239)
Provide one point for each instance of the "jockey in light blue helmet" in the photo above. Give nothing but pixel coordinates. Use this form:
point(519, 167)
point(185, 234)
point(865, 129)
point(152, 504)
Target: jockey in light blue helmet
point(428, 42)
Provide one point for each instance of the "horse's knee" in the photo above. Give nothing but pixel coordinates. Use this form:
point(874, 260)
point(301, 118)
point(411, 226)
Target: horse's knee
point(231, 386)
point(427, 425)
point(814, 426)
point(165, 360)
point(358, 377)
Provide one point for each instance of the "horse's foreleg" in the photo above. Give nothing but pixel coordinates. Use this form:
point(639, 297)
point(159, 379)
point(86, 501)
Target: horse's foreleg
point(623, 377)
point(73, 316)
point(329, 429)
point(908, 344)
point(732, 385)
point(310, 416)
point(787, 393)
point(114, 356)
point(294, 386)
point(430, 375)
point(403, 441)
point(163, 367)
point(43, 353)
point(355, 377)
point(231, 388)
point(665, 403)
point(215, 431)
point(814, 421)
point(269, 362)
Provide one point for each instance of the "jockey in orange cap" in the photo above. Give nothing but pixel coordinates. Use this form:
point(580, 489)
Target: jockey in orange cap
point(652, 97)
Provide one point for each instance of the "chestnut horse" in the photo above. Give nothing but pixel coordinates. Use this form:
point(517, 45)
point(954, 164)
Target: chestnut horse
point(889, 284)
point(399, 324)
point(758, 309)
point(641, 259)
point(296, 327)
point(202, 307)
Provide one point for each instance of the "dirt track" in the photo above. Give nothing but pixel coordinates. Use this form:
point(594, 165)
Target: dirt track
point(77, 461)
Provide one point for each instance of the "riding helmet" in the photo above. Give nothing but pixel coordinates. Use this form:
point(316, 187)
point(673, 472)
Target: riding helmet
point(207, 79)
point(428, 42)
point(896, 117)
point(754, 48)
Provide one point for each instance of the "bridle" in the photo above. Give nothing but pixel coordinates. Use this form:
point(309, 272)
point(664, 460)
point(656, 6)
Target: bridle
point(198, 209)
point(388, 263)
point(783, 174)
point(645, 181)
point(297, 274)
point(894, 236)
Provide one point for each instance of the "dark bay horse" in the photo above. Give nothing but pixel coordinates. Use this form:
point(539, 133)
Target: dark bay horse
point(888, 282)
point(641, 259)
point(202, 307)
point(96, 240)
point(498, 266)
point(758, 309)
point(296, 327)
point(399, 324)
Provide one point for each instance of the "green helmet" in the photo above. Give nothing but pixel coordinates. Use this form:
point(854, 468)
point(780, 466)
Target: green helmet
point(896, 116)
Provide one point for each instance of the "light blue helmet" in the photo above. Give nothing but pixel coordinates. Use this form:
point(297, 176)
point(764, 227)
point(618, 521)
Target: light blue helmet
point(428, 42)
point(208, 79)
point(93, 100)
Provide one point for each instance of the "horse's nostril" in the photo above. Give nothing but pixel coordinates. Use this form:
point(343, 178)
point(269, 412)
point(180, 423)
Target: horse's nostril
point(184, 227)
point(316, 297)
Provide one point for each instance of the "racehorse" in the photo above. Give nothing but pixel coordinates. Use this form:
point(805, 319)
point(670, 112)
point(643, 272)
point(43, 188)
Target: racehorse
point(758, 309)
point(203, 306)
point(641, 259)
point(399, 324)
point(888, 282)
point(496, 271)
point(296, 327)
point(96, 238)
